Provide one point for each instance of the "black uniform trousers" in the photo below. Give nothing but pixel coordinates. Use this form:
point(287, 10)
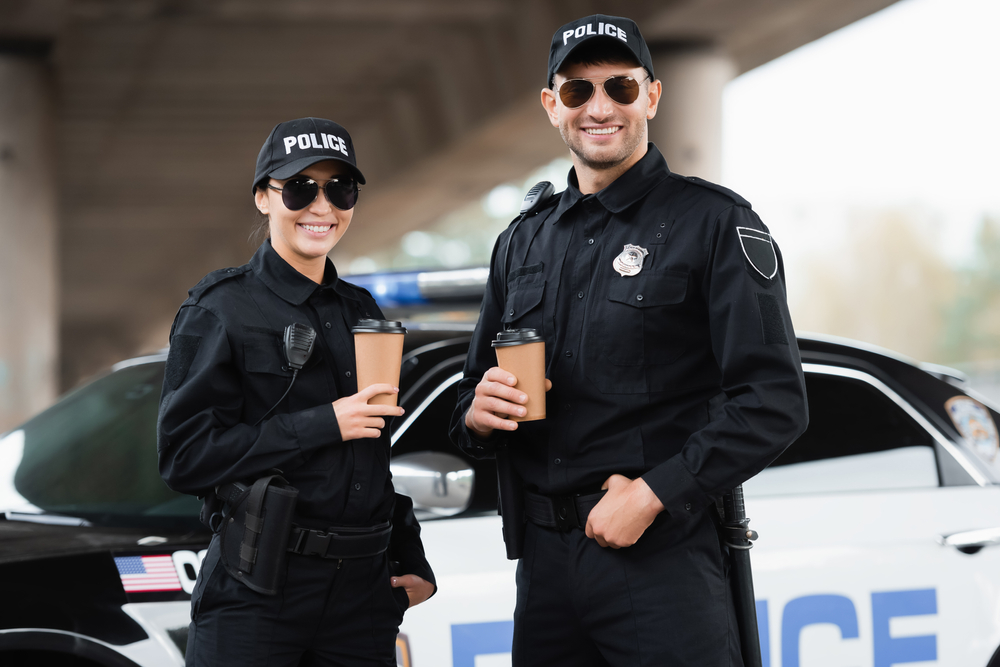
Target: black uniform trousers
point(583, 605)
point(329, 613)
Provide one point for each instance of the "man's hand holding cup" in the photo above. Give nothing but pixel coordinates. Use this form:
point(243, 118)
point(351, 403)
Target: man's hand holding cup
point(496, 399)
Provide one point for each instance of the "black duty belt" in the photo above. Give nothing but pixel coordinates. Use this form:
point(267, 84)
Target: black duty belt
point(563, 513)
point(340, 543)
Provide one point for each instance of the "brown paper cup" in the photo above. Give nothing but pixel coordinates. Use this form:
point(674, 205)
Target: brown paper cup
point(521, 352)
point(378, 351)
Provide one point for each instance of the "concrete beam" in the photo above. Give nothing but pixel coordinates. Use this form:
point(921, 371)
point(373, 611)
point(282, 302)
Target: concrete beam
point(162, 105)
point(504, 149)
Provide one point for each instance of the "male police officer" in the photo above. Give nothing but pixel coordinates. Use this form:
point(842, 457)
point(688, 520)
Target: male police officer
point(674, 370)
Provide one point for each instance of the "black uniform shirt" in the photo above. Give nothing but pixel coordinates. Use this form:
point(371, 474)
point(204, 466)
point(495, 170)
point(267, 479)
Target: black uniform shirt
point(227, 367)
point(686, 373)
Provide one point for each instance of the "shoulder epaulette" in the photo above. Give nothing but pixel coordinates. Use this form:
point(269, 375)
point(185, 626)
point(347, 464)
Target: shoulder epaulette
point(735, 198)
point(356, 288)
point(542, 208)
point(213, 279)
point(540, 197)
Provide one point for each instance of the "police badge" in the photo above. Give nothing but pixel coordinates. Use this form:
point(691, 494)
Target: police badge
point(629, 262)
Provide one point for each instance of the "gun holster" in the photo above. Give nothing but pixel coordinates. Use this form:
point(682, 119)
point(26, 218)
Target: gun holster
point(255, 524)
point(511, 489)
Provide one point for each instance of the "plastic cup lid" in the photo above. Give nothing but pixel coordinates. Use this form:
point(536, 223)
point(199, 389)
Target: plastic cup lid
point(517, 337)
point(379, 326)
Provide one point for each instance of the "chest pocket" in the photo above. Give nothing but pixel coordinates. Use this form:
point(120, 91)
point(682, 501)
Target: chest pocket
point(265, 356)
point(525, 291)
point(660, 288)
point(637, 326)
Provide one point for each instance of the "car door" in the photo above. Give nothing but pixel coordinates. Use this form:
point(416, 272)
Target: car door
point(850, 568)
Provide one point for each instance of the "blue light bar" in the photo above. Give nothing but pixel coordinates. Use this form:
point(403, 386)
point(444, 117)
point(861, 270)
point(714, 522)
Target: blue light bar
point(416, 288)
point(391, 290)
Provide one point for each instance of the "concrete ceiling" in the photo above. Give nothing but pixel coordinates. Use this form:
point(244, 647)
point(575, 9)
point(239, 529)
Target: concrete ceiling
point(161, 106)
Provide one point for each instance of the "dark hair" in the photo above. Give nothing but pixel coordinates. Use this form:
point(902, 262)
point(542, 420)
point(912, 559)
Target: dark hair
point(261, 228)
point(600, 52)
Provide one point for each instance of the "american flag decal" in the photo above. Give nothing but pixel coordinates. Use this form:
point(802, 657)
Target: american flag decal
point(142, 574)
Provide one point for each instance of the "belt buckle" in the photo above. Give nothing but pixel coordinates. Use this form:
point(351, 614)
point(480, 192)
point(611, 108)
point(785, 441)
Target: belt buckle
point(564, 509)
point(316, 543)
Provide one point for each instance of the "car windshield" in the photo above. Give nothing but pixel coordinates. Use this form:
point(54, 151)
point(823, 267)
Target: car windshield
point(92, 456)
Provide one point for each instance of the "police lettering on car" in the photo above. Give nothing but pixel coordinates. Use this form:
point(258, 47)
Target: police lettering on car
point(314, 558)
point(674, 370)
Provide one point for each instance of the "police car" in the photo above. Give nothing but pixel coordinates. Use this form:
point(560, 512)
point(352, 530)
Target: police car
point(879, 528)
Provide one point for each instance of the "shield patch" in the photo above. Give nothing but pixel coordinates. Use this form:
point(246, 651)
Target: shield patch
point(759, 251)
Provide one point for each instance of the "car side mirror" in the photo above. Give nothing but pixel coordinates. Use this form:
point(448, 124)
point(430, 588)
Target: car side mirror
point(439, 484)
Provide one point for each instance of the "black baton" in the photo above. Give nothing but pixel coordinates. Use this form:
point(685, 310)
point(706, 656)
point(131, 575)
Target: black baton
point(738, 538)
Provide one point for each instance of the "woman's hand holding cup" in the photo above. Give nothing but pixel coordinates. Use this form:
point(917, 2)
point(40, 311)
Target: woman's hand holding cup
point(357, 419)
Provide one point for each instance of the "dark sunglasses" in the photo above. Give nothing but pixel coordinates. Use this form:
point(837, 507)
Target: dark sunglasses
point(621, 89)
point(301, 191)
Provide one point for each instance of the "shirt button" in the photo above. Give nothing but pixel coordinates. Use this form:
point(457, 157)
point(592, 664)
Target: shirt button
point(687, 506)
point(569, 353)
point(579, 295)
point(590, 241)
point(638, 297)
point(328, 325)
point(566, 406)
point(511, 313)
point(357, 487)
point(663, 224)
point(558, 461)
point(659, 235)
point(347, 373)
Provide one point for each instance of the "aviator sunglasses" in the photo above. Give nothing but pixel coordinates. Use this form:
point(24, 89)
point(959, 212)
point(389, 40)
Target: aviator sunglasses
point(575, 93)
point(301, 191)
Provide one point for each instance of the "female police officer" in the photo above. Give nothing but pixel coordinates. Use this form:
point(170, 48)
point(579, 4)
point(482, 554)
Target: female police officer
point(235, 410)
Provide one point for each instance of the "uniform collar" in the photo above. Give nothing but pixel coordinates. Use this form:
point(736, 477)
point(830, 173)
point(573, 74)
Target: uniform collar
point(286, 282)
point(627, 189)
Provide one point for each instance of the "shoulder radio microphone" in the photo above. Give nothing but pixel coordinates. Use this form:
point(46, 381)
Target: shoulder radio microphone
point(299, 341)
point(298, 345)
point(538, 195)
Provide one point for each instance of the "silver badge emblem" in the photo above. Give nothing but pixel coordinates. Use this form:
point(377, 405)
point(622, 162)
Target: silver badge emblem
point(629, 262)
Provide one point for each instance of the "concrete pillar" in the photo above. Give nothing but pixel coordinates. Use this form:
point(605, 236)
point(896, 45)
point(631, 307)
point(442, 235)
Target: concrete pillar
point(28, 263)
point(688, 124)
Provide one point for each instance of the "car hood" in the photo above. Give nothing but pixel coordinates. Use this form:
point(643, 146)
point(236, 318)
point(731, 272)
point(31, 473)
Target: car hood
point(21, 541)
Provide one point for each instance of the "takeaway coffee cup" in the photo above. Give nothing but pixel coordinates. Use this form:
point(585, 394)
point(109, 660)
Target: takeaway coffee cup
point(522, 353)
point(378, 351)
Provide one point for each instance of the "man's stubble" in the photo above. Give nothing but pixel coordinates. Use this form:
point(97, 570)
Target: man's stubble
point(633, 136)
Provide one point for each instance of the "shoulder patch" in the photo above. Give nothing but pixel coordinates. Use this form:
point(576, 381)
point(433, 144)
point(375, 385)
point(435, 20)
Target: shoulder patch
point(758, 248)
point(213, 279)
point(729, 194)
point(183, 349)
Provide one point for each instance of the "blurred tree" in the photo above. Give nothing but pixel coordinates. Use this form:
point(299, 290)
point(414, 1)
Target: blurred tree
point(887, 285)
point(972, 326)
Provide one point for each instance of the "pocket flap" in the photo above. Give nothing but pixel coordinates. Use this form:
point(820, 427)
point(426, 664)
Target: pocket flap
point(265, 357)
point(655, 288)
point(522, 299)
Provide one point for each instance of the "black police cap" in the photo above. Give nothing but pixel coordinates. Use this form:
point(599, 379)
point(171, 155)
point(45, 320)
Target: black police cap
point(296, 144)
point(599, 26)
